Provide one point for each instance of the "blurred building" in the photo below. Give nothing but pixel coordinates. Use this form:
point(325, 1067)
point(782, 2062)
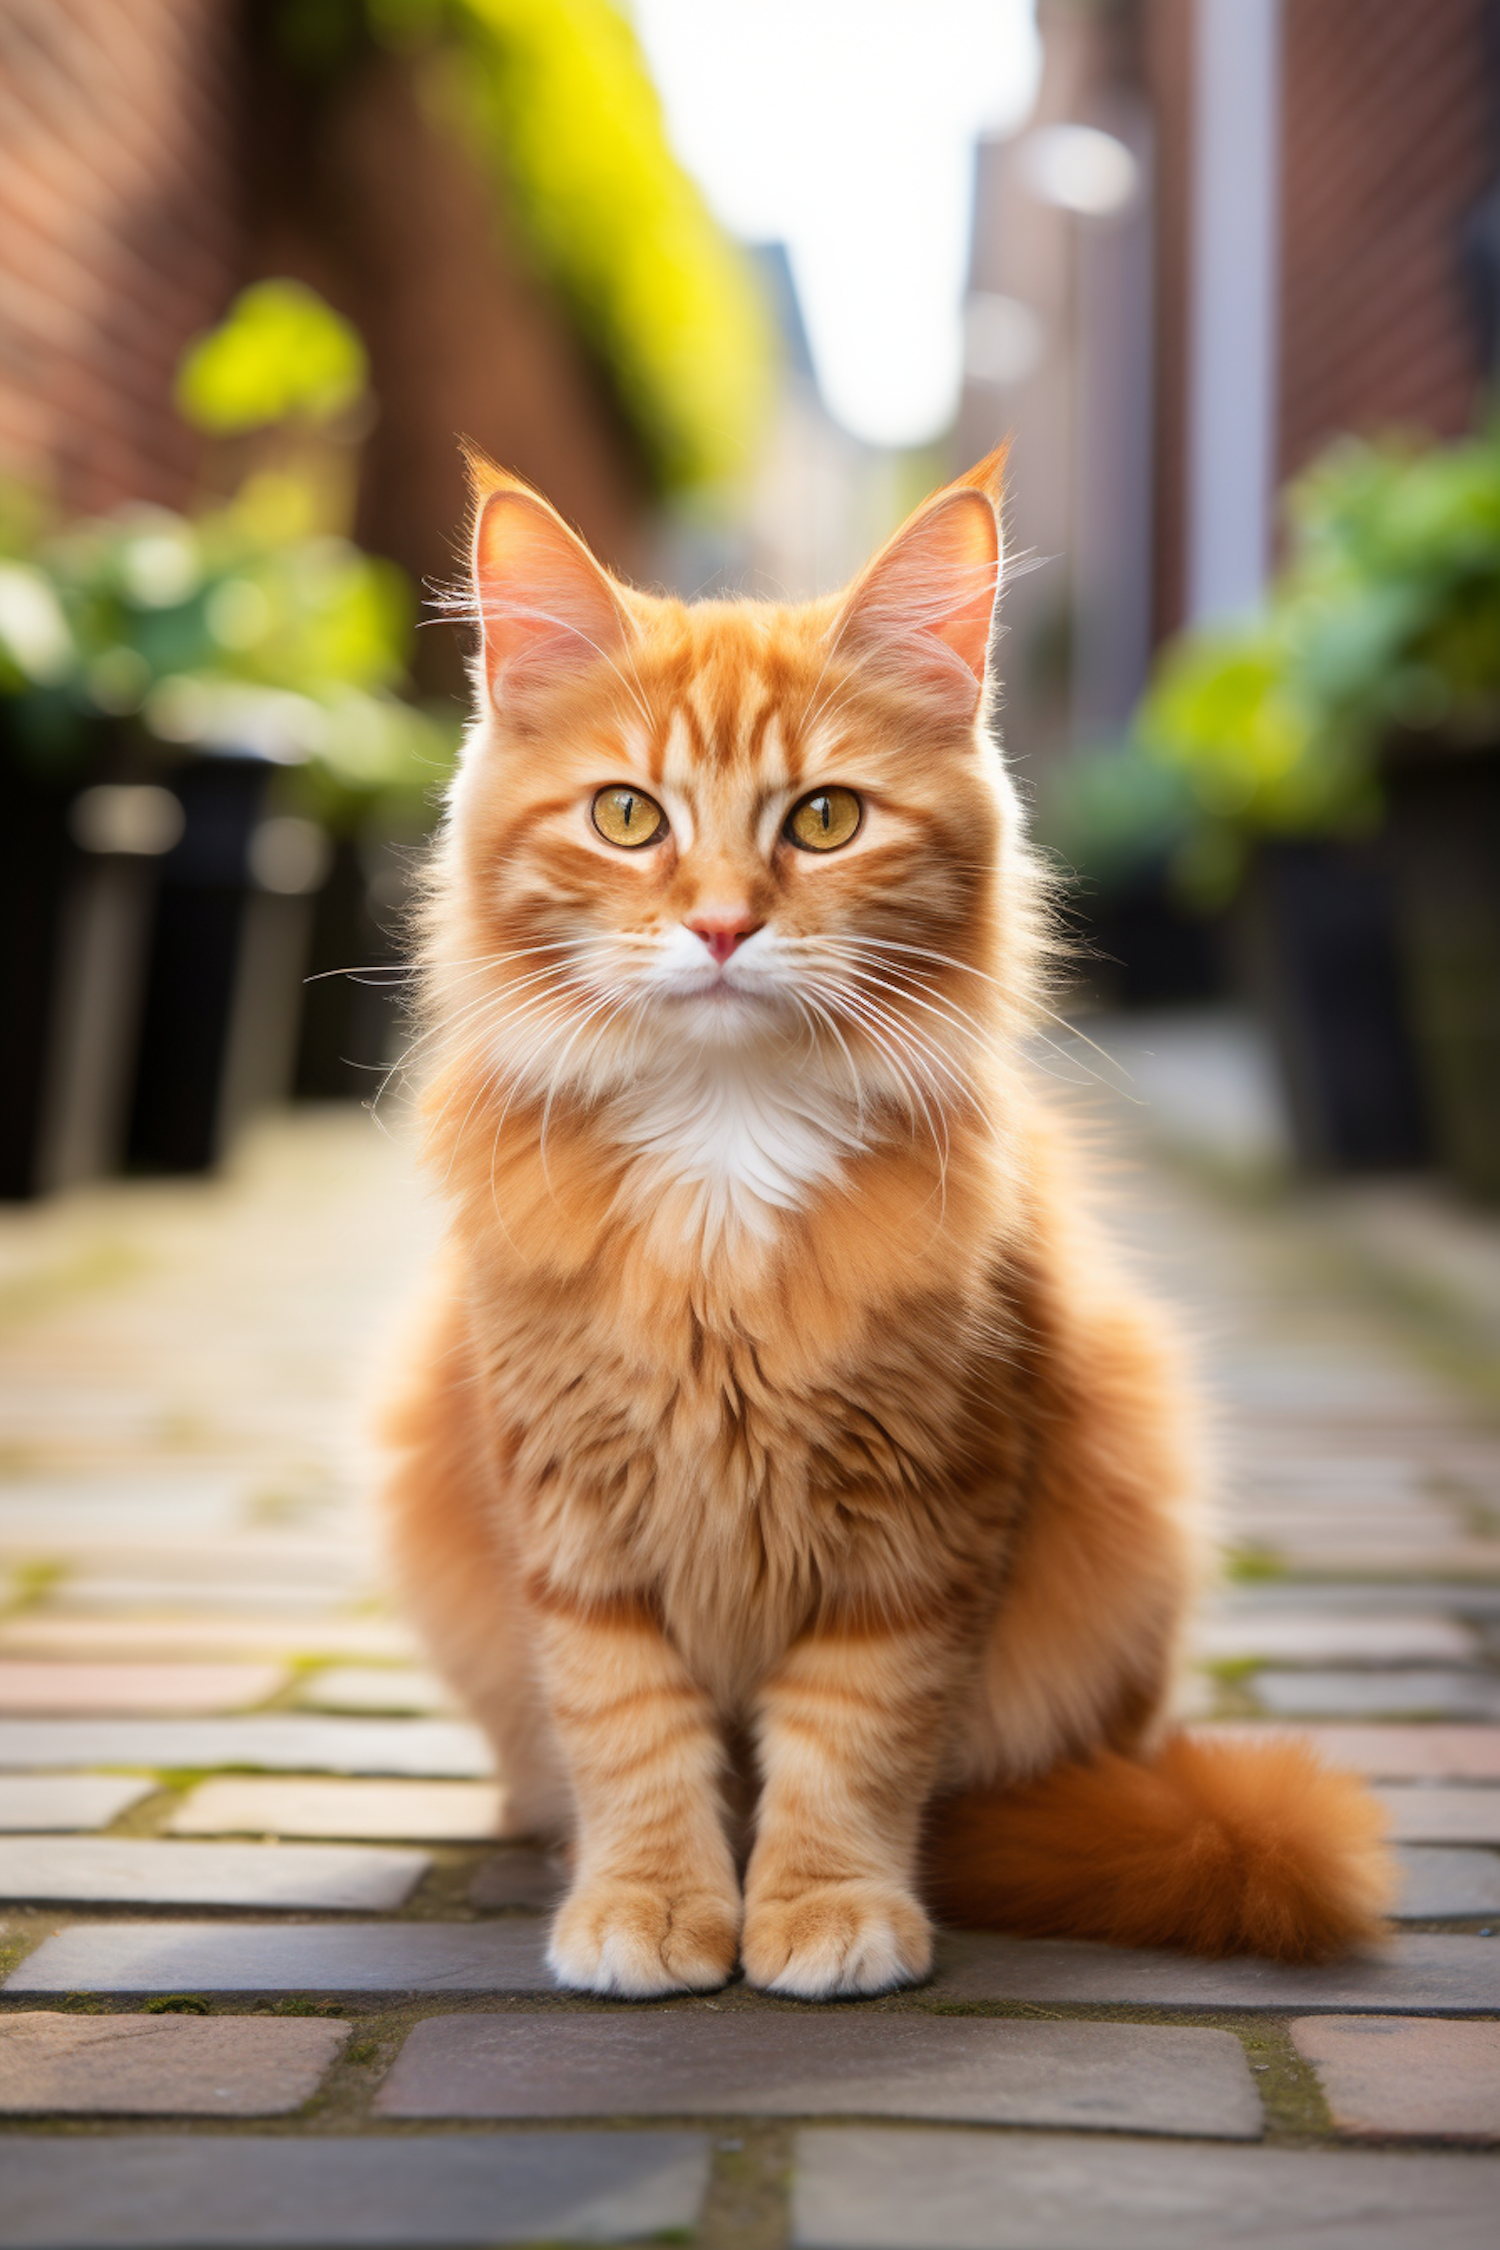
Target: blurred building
point(157, 154)
point(124, 234)
point(821, 500)
point(1230, 230)
point(818, 500)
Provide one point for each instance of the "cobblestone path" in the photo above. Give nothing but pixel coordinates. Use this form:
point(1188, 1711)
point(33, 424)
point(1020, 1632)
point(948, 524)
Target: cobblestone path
point(265, 1981)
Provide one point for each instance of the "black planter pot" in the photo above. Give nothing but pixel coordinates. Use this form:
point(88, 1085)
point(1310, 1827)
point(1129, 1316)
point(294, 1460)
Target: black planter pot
point(1136, 946)
point(227, 958)
point(356, 993)
point(77, 884)
point(38, 863)
point(1445, 839)
point(1320, 950)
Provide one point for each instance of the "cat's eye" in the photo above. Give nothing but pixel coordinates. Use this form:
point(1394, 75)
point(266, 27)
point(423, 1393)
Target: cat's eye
point(823, 821)
point(629, 817)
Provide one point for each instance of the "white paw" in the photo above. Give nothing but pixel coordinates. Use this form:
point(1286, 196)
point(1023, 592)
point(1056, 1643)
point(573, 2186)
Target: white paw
point(833, 1940)
point(636, 1943)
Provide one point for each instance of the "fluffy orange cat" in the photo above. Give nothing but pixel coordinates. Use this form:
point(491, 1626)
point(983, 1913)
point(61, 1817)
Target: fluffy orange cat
point(787, 1479)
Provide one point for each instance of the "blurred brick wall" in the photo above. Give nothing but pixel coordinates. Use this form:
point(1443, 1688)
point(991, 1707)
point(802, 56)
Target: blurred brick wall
point(1165, 63)
point(120, 235)
point(358, 189)
point(154, 156)
point(1389, 137)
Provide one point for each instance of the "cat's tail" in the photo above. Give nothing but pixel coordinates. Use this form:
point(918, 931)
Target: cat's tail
point(1209, 1847)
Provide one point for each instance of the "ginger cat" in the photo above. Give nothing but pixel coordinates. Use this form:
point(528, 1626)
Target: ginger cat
point(787, 1479)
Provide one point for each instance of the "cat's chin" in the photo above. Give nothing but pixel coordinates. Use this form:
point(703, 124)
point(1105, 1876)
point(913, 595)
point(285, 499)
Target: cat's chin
point(720, 1014)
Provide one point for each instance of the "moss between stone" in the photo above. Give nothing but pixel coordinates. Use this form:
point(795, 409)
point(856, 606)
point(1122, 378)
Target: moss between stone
point(1288, 2087)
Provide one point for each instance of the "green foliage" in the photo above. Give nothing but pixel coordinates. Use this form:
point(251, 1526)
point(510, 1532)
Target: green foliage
point(1385, 618)
point(245, 628)
point(281, 355)
point(555, 101)
point(1114, 813)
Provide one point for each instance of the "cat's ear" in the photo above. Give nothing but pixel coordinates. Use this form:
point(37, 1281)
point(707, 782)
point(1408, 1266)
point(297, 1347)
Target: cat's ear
point(922, 610)
point(546, 607)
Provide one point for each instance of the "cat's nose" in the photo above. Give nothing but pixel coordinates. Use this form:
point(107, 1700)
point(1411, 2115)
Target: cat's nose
point(722, 929)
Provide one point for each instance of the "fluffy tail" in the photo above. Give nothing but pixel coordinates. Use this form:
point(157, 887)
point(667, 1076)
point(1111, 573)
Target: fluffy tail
point(1212, 1847)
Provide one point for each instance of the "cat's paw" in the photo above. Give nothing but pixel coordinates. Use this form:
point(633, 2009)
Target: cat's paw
point(834, 1939)
point(635, 1942)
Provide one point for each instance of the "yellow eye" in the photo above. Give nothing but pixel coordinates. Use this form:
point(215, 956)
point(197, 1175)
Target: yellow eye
point(629, 817)
point(823, 821)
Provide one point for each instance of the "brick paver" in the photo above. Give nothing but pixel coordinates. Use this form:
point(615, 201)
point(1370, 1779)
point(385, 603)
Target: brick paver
point(1396, 1753)
point(1442, 1884)
point(372, 1687)
point(45, 1632)
point(864, 2190)
point(198, 1661)
point(1406, 2081)
point(418, 1812)
point(1443, 1816)
point(139, 1871)
point(403, 1957)
point(1457, 1975)
point(54, 1690)
point(161, 2066)
point(1314, 1637)
point(284, 1740)
point(57, 1802)
point(1399, 1693)
point(447, 2192)
point(790, 2063)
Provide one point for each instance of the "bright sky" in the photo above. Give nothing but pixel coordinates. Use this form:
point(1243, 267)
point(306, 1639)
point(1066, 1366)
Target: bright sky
point(845, 129)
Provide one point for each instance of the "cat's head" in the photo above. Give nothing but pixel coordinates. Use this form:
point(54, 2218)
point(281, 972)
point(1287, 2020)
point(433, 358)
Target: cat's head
point(739, 829)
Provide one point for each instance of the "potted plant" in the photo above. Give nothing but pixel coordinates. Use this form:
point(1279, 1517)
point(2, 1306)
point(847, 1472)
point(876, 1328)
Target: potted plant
point(1336, 760)
point(193, 708)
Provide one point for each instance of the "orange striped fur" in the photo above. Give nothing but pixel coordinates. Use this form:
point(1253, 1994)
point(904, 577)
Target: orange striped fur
point(784, 1461)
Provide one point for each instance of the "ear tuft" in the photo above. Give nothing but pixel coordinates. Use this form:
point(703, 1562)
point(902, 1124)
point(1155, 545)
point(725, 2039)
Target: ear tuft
point(546, 607)
point(922, 609)
point(986, 476)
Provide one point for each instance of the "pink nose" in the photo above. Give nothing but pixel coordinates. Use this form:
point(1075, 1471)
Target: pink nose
point(721, 933)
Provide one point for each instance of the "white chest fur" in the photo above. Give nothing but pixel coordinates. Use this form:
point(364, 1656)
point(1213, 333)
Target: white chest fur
point(740, 1146)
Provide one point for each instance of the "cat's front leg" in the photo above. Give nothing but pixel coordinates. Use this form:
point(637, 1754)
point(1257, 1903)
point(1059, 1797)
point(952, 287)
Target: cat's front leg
point(654, 1906)
point(851, 1731)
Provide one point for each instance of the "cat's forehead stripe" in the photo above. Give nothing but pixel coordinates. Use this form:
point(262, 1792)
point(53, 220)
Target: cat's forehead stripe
point(680, 752)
